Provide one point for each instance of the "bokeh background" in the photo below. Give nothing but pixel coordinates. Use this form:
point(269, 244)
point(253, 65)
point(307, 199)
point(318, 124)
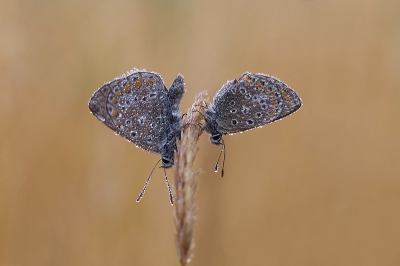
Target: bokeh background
point(320, 187)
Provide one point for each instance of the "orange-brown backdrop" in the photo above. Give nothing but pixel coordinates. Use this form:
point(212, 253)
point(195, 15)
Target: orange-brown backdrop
point(321, 187)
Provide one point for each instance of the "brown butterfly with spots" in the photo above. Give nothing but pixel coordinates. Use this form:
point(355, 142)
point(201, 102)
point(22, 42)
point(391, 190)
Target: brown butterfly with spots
point(249, 102)
point(138, 107)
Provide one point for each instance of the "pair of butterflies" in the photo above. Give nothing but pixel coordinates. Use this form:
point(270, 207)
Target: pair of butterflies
point(138, 107)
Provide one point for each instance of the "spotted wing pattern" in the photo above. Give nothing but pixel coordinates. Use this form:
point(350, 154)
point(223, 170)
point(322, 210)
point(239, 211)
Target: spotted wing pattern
point(250, 102)
point(136, 107)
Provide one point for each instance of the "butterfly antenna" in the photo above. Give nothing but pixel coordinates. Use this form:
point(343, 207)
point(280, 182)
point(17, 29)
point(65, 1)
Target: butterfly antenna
point(171, 197)
point(223, 160)
point(219, 157)
point(146, 184)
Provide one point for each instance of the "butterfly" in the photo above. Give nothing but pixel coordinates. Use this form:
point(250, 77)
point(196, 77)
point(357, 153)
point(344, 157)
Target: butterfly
point(250, 102)
point(138, 107)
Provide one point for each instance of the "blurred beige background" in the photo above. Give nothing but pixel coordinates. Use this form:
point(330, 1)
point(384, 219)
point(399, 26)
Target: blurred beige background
point(321, 187)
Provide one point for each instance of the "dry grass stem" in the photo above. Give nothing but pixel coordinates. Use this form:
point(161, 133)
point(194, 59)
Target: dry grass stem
point(186, 179)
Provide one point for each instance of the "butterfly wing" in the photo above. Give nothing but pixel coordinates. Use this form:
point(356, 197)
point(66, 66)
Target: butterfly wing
point(252, 101)
point(136, 107)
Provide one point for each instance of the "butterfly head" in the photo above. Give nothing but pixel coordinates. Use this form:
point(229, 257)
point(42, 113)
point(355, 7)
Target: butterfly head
point(167, 161)
point(211, 127)
point(216, 138)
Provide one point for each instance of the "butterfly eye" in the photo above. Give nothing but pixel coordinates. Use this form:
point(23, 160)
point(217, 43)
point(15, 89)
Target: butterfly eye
point(216, 138)
point(167, 162)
